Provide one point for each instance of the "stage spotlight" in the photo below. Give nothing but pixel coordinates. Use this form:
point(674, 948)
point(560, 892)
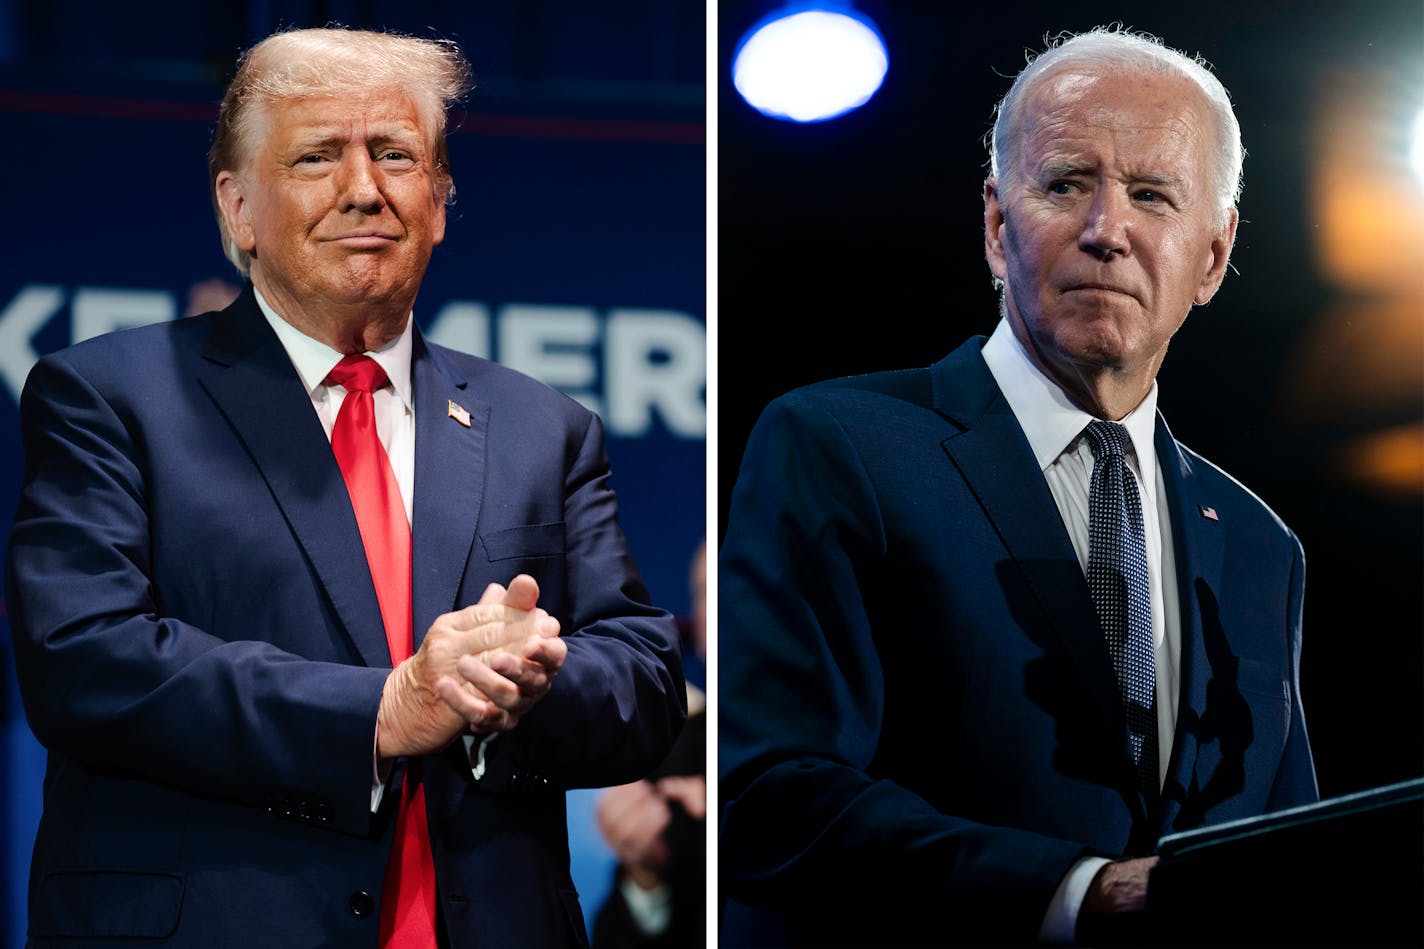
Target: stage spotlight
point(810, 62)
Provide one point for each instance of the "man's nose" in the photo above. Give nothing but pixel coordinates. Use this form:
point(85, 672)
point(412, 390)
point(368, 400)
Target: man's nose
point(1105, 229)
point(358, 182)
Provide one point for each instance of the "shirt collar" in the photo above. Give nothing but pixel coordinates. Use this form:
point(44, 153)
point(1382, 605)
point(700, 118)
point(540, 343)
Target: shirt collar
point(314, 359)
point(1048, 417)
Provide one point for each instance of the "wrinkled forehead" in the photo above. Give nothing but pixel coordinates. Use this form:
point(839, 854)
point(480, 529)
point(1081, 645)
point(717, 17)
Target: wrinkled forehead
point(336, 116)
point(383, 112)
point(1148, 115)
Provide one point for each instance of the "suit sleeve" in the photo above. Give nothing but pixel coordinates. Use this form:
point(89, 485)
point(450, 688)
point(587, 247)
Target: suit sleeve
point(619, 702)
point(109, 682)
point(808, 825)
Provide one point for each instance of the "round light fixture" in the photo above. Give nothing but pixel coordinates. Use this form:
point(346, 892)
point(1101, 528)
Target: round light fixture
point(810, 64)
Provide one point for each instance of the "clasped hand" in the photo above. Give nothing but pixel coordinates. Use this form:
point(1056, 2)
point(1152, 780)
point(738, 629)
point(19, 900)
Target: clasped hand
point(480, 668)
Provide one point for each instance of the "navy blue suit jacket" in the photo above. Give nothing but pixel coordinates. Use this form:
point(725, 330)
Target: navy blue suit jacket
point(200, 649)
point(919, 727)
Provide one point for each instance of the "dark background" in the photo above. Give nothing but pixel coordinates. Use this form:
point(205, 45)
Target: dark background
point(856, 245)
point(580, 165)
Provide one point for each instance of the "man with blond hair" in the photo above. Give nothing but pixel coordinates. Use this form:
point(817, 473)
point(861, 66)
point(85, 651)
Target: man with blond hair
point(316, 619)
point(988, 632)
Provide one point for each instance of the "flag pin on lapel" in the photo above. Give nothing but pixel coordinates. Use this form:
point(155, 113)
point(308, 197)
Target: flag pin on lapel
point(1207, 512)
point(458, 413)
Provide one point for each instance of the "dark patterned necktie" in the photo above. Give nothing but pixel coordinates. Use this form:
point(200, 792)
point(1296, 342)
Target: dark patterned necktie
point(1117, 577)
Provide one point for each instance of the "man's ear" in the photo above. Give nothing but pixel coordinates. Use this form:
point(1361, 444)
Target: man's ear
point(235, 209)
point(994, 229)
point(1221, 245)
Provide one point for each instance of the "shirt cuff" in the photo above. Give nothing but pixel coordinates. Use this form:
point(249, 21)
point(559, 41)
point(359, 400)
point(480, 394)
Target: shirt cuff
point(651, 909)
point(1060, 923)
point(476, 755)
point(380, 771)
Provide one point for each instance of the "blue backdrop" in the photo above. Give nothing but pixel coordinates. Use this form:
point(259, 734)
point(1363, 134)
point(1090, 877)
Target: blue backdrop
point(574, 251)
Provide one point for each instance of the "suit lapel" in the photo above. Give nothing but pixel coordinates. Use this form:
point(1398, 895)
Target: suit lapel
point(449, 481)
point(1197, 539)
point(994, 457)
point(253, 383)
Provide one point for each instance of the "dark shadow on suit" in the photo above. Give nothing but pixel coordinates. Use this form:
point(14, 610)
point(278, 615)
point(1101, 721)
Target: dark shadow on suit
point(1084, 749)
point(1226, 720)
point(1081, 752)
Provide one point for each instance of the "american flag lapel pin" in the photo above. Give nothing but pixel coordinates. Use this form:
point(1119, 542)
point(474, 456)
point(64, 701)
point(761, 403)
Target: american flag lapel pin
point(1208, 512)
point(458, 413)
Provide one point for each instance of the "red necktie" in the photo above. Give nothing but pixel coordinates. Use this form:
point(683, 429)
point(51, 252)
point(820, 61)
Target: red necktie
point(408, 898)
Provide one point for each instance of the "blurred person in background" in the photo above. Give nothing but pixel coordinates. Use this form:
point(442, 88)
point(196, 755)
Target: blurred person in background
point(657, 828)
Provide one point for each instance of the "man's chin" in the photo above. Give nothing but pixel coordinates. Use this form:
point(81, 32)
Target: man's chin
point(363, 279)
point(1100, 336)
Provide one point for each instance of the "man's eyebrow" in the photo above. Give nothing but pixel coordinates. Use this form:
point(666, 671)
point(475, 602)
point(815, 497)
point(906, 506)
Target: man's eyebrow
point(1076, 169)
point(319, 138)
point(406, 137)
point(1066, 169)
point(1161, 179)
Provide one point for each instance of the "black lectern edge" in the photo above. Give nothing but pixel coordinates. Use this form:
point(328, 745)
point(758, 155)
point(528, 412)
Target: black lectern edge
point(1369, 799)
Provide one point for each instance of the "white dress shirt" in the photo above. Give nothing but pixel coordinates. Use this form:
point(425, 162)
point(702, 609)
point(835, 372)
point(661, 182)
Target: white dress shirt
point(1054, 428)
point(395, 409)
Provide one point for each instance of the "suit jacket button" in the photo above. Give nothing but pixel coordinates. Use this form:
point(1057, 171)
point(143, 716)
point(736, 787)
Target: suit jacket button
point(361, 904)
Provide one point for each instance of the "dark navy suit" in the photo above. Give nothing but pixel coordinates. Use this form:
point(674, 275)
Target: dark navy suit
point(200, 649)
point(919, 727)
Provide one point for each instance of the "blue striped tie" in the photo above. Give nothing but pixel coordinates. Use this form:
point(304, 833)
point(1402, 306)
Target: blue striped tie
point(1117, 578)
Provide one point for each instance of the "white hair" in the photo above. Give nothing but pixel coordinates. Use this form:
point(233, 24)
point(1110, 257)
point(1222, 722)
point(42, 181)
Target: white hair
point(1123, 48)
